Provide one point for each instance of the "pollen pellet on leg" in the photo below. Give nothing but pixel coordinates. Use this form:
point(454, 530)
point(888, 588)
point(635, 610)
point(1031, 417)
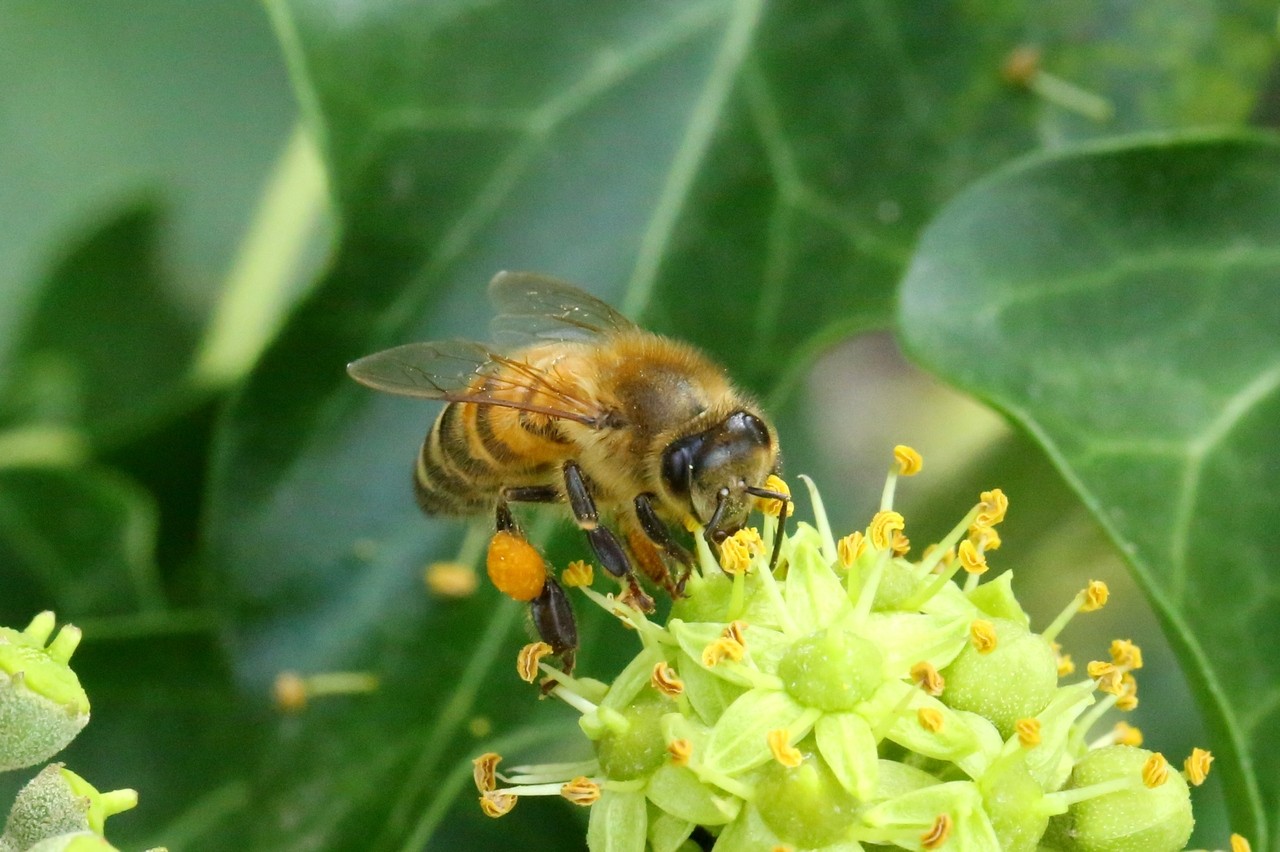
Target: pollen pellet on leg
point(515, 566)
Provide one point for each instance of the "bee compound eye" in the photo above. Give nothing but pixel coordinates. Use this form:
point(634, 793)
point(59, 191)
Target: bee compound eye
point(678, 460)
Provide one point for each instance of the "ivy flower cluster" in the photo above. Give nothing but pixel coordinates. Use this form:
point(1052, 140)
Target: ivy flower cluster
point(852, 697)
point(42, 708)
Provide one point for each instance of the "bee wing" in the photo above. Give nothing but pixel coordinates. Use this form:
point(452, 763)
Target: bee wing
point(447, 370)
point(535, 308)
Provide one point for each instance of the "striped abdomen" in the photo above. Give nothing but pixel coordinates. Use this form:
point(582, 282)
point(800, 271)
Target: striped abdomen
point(475, 450)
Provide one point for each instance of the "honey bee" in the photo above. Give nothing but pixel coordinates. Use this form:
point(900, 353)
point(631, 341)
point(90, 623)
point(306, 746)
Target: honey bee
point(574, 403)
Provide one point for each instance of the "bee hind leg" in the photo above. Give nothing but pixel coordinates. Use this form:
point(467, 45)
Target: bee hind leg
point(607, 547)
point(553, 618)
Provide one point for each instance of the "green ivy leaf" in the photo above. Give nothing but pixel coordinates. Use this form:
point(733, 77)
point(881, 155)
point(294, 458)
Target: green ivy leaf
point(77, 541)
point(1120, 304)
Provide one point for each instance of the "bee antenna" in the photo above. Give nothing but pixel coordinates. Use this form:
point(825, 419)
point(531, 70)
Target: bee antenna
point(778, 533)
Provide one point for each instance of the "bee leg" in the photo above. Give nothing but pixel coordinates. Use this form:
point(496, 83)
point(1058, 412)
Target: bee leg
point(554, 621)
point(605, 544)
point(658, 533)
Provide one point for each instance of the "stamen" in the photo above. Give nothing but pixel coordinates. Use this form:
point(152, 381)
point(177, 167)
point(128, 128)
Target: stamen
point(1126, 734)
point(782, 750)
point(1028, 732)
point(901, 544)
point(1155, 771)
point(293, 691)
point(451, 579)
point(850, 548)
point(496, 803)
point(882, 528)
point(927, 678)
point(992, 508)
point(1126, 654)
point(484, 769)
point(582, 791)
point(1197, 766)
point(937, 833)
point(665, 679)
point(530, 656)
point(720, 649)
point(909, 461)
point(577, 574)
point(984, 538)
point(1095, 596)
point(680, 751)
point(735, 559)
point(1239, 844)
point(1065, 664)
point(750, 538)
point(930, 718)
point(773, 508)
point(736, 630)
point(971, 559)
point(982, 634)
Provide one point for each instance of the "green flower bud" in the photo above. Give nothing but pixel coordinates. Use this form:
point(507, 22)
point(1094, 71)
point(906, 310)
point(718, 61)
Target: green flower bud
point(832, 670)
point(42, 706)
point(1136, 818)
point(1014, 680)
point(58, 802)
point(806, 806)
point(636, 747)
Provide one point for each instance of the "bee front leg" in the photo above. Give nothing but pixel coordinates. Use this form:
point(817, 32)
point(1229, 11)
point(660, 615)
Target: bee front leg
point(605, 544)
point(658, 533)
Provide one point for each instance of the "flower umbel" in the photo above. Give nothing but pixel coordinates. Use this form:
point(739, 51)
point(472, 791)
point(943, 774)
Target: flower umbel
point(853, 697)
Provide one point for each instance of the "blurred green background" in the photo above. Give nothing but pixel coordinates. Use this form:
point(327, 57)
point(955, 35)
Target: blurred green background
point(210, 209)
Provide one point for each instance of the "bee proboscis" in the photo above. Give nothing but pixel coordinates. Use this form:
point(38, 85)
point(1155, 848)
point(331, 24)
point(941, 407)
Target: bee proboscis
point(575, 403)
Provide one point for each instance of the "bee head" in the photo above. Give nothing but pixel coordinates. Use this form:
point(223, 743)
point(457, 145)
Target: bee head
point(712, 471)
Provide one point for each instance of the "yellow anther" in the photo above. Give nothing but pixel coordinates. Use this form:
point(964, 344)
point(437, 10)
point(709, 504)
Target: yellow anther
point(1095, 596)
point(1126, 654)
point(925, 676)
point(984, 538)
point(527, 661)
point(850, 548)
point(772, 507)
point(484, 769)
point(578, 574)
point(735, 558)
point(1197, 766)
point(783, 751)
point(1028, 732)
point(901, 544)
point(1065, 664)
point(971, 559)
point(882, 528)
point(720, 649)
point(293, 691)
point(1126, 734)
point(496, 803)
point(930, 718)
point(937, 833)
point(737, 631)
point(1100, 669)
point(982, 634)
point(1128, 693)
point(750, 538)
point(665, 679)
point(909, 461)
point(680, 751)
point(451, 579)
point(581, 791)
point(1155, 771)
point(1239, 844)
point(992, 508)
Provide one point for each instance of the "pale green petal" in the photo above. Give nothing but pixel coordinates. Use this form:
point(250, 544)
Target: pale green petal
point(677, 790)
point(995, 598)
point(814, 594)
point(907, 638)
point(847, 745)
point(619, 822)
point(739, 740)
